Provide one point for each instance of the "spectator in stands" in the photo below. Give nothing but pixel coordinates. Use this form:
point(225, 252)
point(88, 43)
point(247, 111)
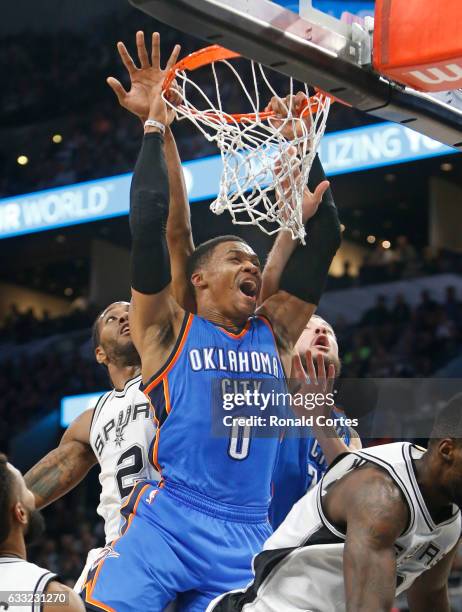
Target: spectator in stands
point(452, 306)
point(406, 257)
point(346, 280)
point(377, 315)
point(426, 311)
point(401, 311)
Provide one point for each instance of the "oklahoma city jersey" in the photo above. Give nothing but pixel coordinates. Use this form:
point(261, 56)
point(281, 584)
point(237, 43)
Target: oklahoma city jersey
point(187, 398)
point(301, 566)
point(121, 435)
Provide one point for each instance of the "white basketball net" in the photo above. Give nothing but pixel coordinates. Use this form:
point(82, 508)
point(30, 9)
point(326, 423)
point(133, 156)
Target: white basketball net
point(265, 167)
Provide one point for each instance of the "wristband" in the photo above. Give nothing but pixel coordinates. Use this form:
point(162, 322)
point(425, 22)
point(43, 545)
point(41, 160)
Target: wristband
point(157, 124)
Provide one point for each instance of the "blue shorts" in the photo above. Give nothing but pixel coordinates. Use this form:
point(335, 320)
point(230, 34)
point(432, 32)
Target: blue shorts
point(176, 544)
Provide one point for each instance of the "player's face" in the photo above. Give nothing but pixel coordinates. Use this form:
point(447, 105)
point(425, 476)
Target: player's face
point(233, 275)
point(24, 495)
point(24, 507)
point(114, 325)
point(455, 475)
point(115, 338)
point(318, 337)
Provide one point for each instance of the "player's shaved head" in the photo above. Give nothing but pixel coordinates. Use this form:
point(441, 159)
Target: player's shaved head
point(203, 253)
point(448, 422)
point(7, 485)
point(445, 451)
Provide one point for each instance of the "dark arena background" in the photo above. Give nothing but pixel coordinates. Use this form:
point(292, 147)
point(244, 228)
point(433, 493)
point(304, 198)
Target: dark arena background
point(394, 294)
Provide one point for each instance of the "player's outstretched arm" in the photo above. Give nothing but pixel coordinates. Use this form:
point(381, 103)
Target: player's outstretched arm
point(371, 507)
point(320, 383)
point(56, 591)
point(136, 100)
point(155, 317)
point(64, 467)
point(429, 591)
point(302, 270)
point(284, 245)
point(179, 232)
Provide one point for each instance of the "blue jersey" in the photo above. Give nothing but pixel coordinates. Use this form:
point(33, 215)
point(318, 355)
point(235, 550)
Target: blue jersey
point(186, 394)
point(316, 461)
point(300, 466)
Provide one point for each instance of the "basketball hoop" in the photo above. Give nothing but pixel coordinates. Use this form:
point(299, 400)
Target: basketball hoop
point(266, 159)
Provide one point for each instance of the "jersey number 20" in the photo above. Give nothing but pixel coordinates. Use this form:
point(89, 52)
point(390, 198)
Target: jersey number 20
point(129, 465)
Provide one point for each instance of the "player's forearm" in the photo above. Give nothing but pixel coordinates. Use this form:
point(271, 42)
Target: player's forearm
point(284, 245)
point(179, 214)
point(429, 601)
point(278, 257)
point(179, 233)
point(59, 472)
point(306, 271)
point(331, 444)
point(369, 578)
point(149, 206)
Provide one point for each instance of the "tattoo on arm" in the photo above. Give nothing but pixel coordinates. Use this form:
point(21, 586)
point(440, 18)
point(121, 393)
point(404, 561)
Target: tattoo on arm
point(59, 471)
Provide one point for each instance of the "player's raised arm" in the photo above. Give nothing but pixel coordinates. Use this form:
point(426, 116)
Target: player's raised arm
point(372, 508)
point(155, 317)
point(284, 245)
point(136, 100)
point(64, 467)
point(320, 381)
point(302, 270)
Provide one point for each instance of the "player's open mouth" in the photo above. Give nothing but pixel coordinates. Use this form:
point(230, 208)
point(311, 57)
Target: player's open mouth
point(125, 330)
point(322, 342)
point(249, 288)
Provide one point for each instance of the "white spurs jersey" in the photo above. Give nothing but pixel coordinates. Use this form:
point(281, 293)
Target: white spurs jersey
point(121, 435)
point(22, 585)
point(301, 566)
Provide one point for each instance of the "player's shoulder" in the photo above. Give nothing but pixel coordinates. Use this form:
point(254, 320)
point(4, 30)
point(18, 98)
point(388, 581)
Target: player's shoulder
point(99, 406)
point(372, 493)
point(33, 576)
point(70, 600)
point(131, 392)
point(21, 565)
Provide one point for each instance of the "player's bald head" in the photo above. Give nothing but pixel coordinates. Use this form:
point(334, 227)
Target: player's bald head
point(448, 422)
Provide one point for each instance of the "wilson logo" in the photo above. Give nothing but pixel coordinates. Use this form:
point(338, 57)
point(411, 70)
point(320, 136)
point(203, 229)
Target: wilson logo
point(434, 76)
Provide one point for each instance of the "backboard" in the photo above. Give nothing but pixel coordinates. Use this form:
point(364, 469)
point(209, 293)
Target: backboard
point(314, 47)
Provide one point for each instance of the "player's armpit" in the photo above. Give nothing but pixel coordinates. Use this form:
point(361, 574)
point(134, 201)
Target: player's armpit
point(61, 598)
point(371, 507)
point(64, 467)
point(430, 590)
point(155, 323)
